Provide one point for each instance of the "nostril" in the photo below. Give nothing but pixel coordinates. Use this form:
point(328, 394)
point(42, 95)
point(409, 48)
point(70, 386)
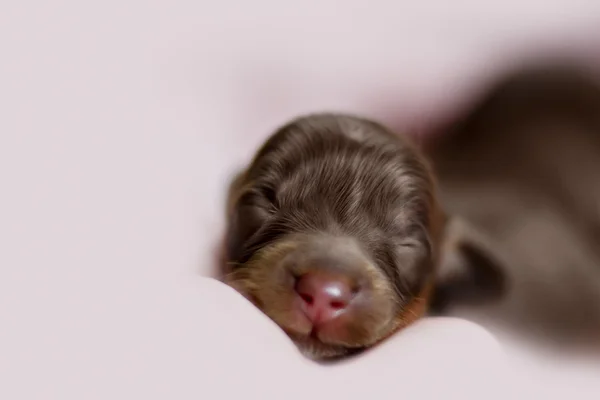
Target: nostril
point(308, 299)
point(337, 305)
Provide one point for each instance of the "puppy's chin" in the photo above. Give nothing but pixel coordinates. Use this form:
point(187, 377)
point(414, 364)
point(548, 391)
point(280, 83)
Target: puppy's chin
point(314, 349)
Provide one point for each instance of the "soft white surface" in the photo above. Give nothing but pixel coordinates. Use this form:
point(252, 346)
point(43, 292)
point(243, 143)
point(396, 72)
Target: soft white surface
point(204, 341)
point(120, 123)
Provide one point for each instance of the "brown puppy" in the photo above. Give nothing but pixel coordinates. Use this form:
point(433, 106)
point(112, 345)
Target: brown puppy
point(334, 232)
point(521, 170)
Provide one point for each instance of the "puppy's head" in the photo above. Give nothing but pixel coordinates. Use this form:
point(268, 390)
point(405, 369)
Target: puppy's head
point(335, 236)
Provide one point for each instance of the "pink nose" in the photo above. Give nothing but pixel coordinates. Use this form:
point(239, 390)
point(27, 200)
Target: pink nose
point(324, 297)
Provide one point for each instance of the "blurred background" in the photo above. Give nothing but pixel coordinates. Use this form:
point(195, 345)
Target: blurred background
point(121, 123)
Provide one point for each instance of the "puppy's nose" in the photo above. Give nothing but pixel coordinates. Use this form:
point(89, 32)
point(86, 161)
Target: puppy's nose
point(324, 297)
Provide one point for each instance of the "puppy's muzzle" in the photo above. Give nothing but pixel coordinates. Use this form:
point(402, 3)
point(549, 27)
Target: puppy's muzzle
point(334, 292)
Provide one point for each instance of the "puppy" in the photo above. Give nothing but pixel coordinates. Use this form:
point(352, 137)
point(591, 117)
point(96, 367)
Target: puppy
point(520, 173)
point(334, 231)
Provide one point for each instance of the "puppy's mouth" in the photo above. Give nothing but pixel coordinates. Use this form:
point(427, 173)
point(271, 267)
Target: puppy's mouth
point(332, 339)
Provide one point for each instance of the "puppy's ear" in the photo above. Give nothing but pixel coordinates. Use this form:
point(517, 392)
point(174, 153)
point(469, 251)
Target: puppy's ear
point(469, 272)
point(247, 212)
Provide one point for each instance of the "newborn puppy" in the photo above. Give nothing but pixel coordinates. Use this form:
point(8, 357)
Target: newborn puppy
point(334, 232)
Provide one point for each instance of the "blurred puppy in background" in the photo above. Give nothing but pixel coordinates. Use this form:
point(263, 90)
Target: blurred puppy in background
point(520, 171)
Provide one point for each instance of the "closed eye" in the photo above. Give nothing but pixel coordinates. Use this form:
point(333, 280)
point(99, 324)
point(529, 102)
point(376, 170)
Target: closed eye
point(410, 243)
point(411, 247)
